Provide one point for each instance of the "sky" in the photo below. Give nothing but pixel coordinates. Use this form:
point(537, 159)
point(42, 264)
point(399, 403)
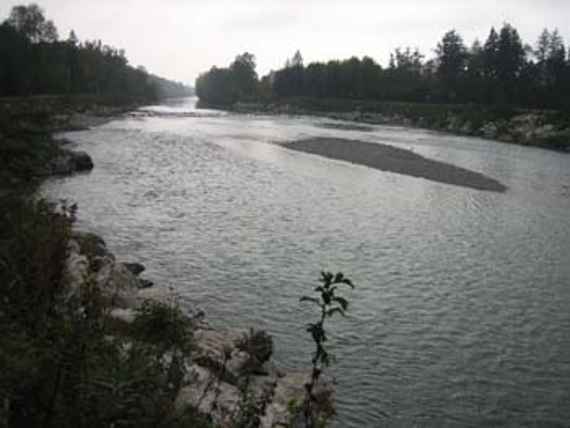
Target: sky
point(178, 39)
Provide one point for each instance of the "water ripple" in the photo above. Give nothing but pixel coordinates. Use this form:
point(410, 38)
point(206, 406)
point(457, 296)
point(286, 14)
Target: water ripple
point(461, 314)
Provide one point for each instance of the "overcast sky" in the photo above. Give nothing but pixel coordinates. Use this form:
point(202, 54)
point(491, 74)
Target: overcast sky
point(178, 39)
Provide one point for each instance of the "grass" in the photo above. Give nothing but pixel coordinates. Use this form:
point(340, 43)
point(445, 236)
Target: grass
point(63, 364)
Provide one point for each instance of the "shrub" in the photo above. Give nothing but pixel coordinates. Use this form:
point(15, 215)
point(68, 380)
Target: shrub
point(317, 406)
point(62, 364)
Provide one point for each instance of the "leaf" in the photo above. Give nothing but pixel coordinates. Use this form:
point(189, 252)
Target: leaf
point(326, 278)
point(338, 277)
point(310, 299)
point(342, 302)
point(332, 311)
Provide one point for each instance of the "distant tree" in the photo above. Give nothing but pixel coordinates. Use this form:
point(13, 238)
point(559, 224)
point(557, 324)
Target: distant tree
point(290, 81)
point(404, 80)
point(16, 58)
point(491, 55)
point(475, 82)
point(244, 75)
point(30, 21)
point(49, 32)
point(552, 70)
point(297, 60)
point(510, 62)
point(452, 64)
point(216, 87)
point(33, 61)
point(499, 71)
point(542, 46)
point(72, 38)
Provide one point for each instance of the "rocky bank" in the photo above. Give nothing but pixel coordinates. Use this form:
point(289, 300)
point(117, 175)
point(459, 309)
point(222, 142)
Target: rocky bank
point(219, 364)
point(545, 129)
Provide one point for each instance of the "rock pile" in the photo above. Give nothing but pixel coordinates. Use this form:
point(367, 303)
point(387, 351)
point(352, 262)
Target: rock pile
point(223, 360)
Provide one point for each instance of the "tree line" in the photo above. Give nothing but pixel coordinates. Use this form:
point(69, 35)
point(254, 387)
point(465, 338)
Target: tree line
point(35, 61)
point(501, 71)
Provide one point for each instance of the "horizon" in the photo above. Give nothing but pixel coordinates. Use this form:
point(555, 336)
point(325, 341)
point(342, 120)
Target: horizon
point(195, 38)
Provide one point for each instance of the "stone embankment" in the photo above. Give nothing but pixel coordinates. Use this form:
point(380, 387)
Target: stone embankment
point(532, 128)
point(218, 365)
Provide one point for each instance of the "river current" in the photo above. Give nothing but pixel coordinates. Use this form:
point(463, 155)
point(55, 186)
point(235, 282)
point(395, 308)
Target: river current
point(461, 312)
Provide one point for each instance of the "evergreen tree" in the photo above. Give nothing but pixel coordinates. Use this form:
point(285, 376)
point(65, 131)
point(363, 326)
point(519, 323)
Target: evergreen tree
point(452, 60)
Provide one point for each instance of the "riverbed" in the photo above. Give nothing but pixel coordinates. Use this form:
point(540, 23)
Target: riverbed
point(460, 316)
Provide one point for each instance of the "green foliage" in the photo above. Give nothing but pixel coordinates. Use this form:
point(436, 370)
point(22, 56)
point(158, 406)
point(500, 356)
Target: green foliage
point(63, 364)
point(30, 21)
point(225, 86)
point(24, 155)
point(452, 59)
point(216, 87)
point(162, 325)
point(258, 345)
point(329, 304)
point(35, 62)
point(500, 72)
point(317, 406)
point(250, 408)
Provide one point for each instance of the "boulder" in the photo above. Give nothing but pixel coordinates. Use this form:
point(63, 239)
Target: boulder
point(68, 162)
point(81, 161)
point(92, 245)
point(490, 130)
point(214, 347)
point(117, 284)
point(76, 268)
point(135, 268)
point(285, 408)
point(209, 396)
point(145, 283)
point(126, 316)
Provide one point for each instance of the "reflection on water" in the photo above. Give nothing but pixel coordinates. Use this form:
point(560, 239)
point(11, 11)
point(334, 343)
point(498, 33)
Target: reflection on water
point(460, 316)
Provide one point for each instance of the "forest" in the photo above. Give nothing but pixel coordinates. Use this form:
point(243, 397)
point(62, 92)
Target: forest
point(503, 70)
point(35, 61)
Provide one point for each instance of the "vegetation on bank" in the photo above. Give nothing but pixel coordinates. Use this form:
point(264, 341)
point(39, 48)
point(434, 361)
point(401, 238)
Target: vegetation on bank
point(501, 89)
point(315, 409)
point(70, 362)
point(36, 61)
point(502, 71)
point(64, 363)
point(544, 128)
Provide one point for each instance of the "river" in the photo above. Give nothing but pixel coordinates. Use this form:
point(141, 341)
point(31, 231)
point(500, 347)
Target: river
point(461, 312)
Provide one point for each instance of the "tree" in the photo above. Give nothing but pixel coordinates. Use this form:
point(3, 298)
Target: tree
point(475, 82)
point(72, 38)
point(542, 46)
point(297, 60)
point(49, 32)
point(452, 62)
point(244, 75)
point(216, 87)
point(511, 58)
point(30, 21)
point(490, 55)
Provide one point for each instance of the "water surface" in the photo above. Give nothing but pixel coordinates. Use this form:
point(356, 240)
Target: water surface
point(461, 313)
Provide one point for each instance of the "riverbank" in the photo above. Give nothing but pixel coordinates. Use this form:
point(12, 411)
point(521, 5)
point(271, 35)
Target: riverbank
point(94, 298)
point(28, 150)
point(393, 159)
point(545, 129)
point(221, 361)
